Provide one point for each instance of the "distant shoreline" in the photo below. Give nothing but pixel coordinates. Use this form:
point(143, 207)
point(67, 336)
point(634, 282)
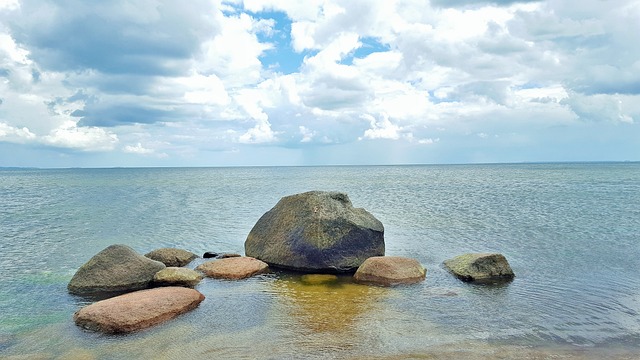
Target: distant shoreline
point(594, 162)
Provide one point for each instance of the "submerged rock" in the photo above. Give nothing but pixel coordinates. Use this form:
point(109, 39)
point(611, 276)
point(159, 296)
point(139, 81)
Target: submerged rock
point(480, 267)
point(6, 341)
point(210, 254)
point(316, 231)
point(31, 356)
point(78, 354)
point(177, 276)
point(172, 257)
point(138, 310)
point(118, 268)
point(318, 279)
point(331, 311)
point(234, 268)
point(390, 271)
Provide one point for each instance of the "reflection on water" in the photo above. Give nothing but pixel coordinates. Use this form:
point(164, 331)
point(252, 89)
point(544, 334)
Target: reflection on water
point(280, 316)
point(330, 310)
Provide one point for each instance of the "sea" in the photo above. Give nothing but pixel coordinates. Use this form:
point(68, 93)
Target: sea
point(571, 232)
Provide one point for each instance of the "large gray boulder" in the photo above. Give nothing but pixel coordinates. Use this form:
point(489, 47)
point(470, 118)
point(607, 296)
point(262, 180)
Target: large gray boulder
point(118, 268)
point(316, 231)
point(480, 267)
point(137, 310)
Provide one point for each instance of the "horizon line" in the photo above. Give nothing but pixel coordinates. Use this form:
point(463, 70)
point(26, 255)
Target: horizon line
point(323, 165)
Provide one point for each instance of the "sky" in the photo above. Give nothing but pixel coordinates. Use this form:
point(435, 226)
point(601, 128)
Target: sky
point(317, 82)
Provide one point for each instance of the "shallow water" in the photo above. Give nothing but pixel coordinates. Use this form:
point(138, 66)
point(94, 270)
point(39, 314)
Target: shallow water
point(570, 232)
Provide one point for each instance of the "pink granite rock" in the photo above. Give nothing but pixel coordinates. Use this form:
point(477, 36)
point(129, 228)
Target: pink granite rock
point(389, 271)
point(137, 310)
point(234, 268)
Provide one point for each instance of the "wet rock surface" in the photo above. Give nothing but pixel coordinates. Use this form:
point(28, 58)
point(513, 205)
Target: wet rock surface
point(234, 268)
point(390, 271)
point(480, 267)
point(171, 256)
point(177, 276)
point(117, 268)
point(316, 231)
point(137, 310)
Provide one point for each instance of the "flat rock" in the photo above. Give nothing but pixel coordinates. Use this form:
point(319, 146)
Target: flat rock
point(316, 231)
point(234, 268)
point(390, 271)
point(137, 310)
point(480, 267)
point(177, 276)
point(118, 268)
point(171, 256)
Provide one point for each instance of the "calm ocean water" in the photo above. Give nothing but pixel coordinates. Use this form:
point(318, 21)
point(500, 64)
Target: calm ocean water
point(570, 231)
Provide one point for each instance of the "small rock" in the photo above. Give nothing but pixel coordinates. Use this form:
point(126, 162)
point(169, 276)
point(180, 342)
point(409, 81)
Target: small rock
point(318, 279)
point(117, 268)
point(210, 254)
point(172, 257)
point(389, 271)
point(137, 310)
point(233, 268)
point(177, 276)
point(480, 267)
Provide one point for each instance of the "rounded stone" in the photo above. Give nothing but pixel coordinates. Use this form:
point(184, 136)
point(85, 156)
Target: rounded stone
point(234, 268)
point(118, 268)
point(177, 276)
point(390, 271)
point(171, 256)
point(137, 310)
point(480, 267)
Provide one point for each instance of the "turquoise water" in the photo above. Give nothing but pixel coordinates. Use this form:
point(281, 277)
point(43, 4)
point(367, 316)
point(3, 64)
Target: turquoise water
point(570, 231)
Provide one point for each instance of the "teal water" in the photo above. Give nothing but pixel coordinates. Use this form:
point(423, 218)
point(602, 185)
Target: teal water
point(570, 231)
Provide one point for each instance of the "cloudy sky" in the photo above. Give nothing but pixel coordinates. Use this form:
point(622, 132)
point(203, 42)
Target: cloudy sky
point(317, 82)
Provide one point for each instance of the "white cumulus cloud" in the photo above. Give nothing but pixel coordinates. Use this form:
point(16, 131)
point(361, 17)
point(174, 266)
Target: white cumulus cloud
point(226, 77)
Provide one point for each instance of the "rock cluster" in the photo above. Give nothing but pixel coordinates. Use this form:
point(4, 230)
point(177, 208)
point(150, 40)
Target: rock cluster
point(119, 269)
point(316, 232)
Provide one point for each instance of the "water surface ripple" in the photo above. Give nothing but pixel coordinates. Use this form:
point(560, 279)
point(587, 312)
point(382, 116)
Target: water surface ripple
point(570, 232)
